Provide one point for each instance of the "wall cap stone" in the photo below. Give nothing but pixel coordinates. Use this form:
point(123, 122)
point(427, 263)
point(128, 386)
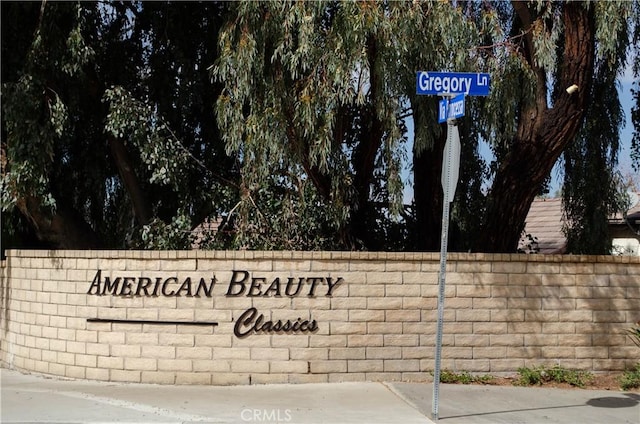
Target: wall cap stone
point(317, 255)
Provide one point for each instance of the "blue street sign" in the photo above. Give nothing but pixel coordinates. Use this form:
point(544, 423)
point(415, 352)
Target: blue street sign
point(456, 107)
point(451, 108)
point(436, 83)
point(442, 110)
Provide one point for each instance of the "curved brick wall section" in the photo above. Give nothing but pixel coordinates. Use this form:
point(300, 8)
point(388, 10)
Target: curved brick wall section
point(309, 316)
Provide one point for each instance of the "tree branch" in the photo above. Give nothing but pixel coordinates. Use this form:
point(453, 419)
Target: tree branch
point(63, 229)
point(141, 208)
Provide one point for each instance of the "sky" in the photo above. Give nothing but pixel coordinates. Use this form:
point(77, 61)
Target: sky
point(626, 99)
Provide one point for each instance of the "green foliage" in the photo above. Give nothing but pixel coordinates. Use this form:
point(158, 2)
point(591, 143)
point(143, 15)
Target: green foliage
point(288, 215)
point(332, 77)
point(159, 235)
point(35, 117)
point(470, 199)
point(634, 334)
point(612, 24)
point(285, 122)
point(635, 141)
point(546, 31)
point(630, 379)
point(591, 193)
point(557, 374)
point(164, 155)
point(95, 76)
point(464, 377)
point(635, 91)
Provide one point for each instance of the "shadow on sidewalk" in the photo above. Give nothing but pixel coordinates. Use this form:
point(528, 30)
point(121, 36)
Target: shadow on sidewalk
point(479, 414)
point(632, 399)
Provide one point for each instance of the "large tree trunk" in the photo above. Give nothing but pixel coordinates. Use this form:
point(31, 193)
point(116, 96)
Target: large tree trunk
point(62, 229)
point(139, 202)
point(543, 132)
point(365, 157)
point(356, 232)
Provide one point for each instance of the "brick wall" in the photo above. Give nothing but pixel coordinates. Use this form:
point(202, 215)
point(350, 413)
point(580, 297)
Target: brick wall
point(379, 322)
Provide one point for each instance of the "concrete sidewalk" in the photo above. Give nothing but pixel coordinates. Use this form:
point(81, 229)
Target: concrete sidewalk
point(528, 405)
point(36, 399)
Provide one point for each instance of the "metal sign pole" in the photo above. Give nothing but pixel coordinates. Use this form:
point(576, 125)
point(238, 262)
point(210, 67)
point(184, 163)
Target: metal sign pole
point(450, 167)
point(453, 87)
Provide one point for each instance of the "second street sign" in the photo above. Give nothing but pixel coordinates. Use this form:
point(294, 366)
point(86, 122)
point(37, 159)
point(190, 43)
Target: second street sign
point(451, 108)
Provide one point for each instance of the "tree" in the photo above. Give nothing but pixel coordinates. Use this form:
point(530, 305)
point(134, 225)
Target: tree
point(109, 137)
point(324, 86)
point(329, 81)
point(541, 130)
point(590, 192)
point(635, 112)
point(592, 44)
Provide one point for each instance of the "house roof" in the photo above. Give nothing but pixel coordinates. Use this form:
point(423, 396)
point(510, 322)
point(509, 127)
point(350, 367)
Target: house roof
point(633, 214)
point(545, 220)
point(207, 227)
point(544, 223)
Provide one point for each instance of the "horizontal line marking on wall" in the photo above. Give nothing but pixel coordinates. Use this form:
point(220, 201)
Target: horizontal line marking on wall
point(146, 321)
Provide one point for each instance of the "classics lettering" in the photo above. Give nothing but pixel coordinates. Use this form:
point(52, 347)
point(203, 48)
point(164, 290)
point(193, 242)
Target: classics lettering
point(252, 322)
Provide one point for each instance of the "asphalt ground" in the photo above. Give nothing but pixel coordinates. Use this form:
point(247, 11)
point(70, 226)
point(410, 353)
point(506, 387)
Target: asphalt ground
point(40, 399)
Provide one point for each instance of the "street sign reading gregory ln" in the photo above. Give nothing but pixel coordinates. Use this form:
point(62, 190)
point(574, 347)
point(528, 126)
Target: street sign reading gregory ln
point(437, 83)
